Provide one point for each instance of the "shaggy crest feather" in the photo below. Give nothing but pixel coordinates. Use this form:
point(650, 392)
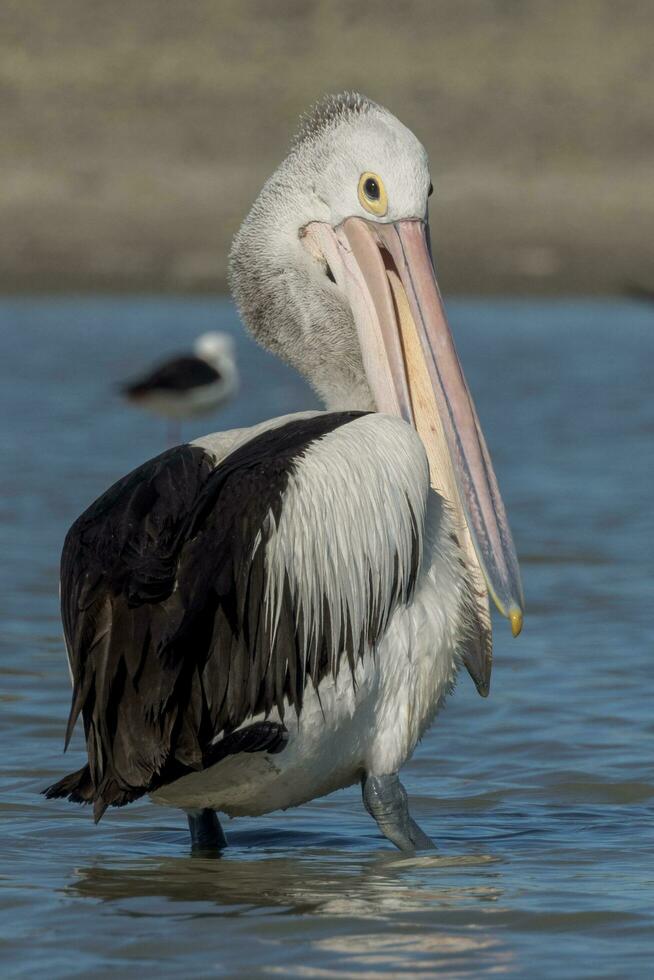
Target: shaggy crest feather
point(329, 111)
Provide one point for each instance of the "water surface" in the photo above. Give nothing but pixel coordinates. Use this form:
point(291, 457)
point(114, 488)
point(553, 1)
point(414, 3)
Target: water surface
point(540, 798)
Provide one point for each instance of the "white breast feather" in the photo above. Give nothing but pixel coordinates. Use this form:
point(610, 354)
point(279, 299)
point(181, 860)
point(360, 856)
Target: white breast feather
point(350, 515)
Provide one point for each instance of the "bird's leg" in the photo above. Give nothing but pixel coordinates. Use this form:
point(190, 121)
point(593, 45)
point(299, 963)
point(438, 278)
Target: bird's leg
point(206, 832)
point(385, 799)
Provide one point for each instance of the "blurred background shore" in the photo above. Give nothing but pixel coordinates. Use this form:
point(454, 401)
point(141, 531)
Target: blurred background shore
point(136, 135)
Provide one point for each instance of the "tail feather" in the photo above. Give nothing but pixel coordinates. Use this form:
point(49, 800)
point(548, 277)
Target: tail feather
point(76, 786)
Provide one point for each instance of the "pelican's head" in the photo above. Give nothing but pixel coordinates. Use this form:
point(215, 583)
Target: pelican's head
point(332, 270)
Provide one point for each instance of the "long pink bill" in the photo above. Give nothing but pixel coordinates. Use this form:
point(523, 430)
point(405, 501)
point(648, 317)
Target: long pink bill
point(407, 243)
point(375, 257)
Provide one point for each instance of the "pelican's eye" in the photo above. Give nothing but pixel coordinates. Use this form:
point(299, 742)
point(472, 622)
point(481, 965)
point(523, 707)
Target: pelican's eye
point(372, 194)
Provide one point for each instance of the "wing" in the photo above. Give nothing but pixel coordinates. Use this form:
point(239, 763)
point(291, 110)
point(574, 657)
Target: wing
point(196, 596)
point(179, 374)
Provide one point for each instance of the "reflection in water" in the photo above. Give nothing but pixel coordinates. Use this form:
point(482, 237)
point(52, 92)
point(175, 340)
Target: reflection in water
point(418, 955)
point(332, 884)
point(392, 894)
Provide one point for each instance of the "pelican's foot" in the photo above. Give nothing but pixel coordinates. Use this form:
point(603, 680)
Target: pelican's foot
point(206, 832)
point(385, 799)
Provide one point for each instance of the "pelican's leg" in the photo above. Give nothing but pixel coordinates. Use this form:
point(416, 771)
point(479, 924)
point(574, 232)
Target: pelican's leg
point(206, 832)
point(385, 799)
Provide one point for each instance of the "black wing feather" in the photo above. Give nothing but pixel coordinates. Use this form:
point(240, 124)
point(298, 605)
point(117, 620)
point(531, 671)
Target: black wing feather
point(177, 375)
point(163, 579)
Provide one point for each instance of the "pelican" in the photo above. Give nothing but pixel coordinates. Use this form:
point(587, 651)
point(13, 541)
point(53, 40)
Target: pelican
point(188, 384)
point(262, 616)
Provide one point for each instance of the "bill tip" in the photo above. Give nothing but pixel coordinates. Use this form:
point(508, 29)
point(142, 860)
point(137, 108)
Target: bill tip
point(515, 618)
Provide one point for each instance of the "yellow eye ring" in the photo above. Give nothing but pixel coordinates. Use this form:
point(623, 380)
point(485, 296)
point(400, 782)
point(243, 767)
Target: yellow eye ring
point(372, 194)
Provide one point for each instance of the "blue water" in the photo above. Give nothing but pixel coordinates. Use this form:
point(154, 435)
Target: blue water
point(540, 798)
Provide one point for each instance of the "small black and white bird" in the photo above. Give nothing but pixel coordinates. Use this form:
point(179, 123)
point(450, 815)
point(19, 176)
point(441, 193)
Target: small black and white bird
point(190, 384)
point(265, 615)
